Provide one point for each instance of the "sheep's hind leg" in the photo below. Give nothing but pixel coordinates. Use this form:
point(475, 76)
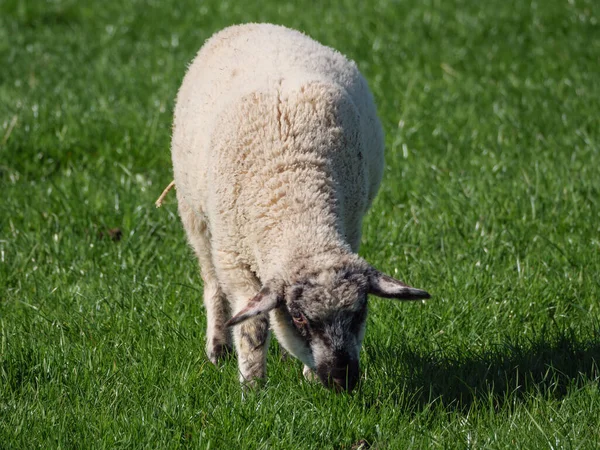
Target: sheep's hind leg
point(218, 338)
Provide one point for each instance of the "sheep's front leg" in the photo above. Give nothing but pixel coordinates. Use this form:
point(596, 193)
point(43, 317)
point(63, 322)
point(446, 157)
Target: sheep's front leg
point(250, 336)
point(309, 374)
point(251, 339)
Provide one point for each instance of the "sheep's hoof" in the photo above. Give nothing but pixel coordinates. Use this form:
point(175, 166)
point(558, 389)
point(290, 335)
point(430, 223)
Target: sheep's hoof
point(219, 352)
point(284, 354)
point(252, 385)
point(309, 374)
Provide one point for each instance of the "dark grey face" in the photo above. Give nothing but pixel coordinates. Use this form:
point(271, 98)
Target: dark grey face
point(320, 317)
point(328, 319)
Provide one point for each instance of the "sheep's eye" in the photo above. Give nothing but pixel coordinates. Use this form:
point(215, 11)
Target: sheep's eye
point(299, 320)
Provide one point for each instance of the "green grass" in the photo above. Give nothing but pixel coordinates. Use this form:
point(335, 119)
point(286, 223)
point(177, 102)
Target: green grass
point(491, 201)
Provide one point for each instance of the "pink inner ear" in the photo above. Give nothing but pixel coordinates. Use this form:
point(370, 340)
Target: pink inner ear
point(262, 302)
point(244, 314)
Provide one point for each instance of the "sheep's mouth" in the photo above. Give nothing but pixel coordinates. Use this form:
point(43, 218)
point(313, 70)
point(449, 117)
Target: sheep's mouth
point(342, 378)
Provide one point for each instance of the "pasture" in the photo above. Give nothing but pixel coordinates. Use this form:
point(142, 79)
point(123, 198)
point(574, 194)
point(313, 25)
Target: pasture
point(490, 201)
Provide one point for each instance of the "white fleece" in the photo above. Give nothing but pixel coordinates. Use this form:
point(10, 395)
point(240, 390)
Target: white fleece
point(276, 140)
point(277, 155)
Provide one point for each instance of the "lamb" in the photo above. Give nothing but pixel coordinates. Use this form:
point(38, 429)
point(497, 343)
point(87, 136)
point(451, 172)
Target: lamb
point(277, 155)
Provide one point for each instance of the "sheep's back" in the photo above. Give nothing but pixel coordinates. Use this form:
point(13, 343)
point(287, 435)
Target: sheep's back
point(259, 60)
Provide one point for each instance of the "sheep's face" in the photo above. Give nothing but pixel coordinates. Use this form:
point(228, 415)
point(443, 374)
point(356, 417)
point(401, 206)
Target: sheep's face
point(320, 317)
point(322, 323)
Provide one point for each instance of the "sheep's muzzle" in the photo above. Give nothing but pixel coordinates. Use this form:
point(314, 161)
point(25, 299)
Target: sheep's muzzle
point(340, 377)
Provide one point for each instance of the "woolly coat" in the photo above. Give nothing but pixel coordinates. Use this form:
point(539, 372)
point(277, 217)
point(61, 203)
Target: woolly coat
point(277, 149)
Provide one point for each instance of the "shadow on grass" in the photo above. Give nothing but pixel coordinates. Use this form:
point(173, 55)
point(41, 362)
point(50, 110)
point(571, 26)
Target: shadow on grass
point(547, 365)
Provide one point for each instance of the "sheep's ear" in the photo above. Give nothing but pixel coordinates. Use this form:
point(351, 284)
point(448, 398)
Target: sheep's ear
point(266, 300)
point(384, 286)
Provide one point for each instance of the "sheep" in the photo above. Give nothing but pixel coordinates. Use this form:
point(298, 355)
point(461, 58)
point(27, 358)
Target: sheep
point(277, 155)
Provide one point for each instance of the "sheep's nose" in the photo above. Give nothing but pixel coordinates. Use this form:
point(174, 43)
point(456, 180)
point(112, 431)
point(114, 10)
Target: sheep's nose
point(342, 378)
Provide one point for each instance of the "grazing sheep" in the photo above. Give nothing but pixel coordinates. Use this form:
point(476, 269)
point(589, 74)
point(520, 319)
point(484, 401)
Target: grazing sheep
point(277, 154)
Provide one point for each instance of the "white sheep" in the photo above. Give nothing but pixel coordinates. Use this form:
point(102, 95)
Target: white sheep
point(277, 155)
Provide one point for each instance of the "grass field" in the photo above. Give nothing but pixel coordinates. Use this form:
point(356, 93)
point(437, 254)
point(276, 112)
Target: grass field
point(490, 201)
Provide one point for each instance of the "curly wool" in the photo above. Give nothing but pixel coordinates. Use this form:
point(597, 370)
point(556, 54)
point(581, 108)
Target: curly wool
point(277, 155)
point(276, 144)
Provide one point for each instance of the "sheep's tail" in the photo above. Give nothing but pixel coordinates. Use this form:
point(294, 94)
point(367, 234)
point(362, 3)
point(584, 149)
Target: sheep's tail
point(160, 199)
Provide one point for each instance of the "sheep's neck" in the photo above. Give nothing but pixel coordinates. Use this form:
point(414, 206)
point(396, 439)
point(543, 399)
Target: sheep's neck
point(299, 229)
point(300, 244)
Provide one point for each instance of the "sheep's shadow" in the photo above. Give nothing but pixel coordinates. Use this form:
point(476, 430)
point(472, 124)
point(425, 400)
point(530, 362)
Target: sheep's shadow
point(550, 365)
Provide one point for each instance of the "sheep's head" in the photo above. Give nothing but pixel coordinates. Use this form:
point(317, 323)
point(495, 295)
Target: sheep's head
point(320, 317)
